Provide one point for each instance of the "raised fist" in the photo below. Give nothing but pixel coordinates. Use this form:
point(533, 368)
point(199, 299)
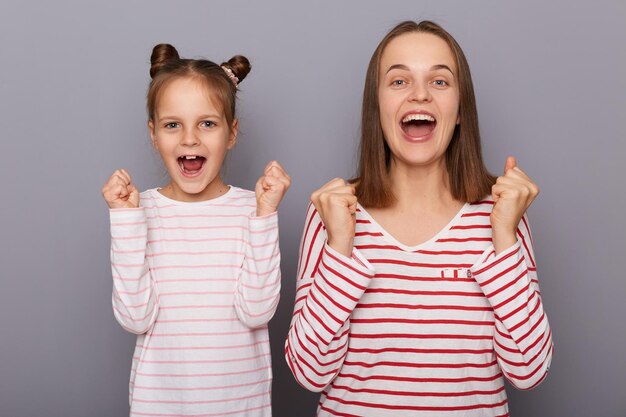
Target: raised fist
point(119, 191)
point(336, 204)
point(271, 188)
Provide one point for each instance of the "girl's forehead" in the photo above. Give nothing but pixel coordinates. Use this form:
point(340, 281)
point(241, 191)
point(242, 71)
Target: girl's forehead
point(188, 93)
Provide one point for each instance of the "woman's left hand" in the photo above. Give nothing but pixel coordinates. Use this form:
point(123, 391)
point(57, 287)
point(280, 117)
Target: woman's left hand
point(271, 188)
point(512, 194)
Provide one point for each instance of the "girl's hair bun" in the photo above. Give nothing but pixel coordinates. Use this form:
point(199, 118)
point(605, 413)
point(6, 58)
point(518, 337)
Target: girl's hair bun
point(161, 54)
point(239, 65)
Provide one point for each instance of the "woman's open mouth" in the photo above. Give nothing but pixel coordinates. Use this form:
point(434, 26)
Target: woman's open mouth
point(191, 165)
point(418, 126)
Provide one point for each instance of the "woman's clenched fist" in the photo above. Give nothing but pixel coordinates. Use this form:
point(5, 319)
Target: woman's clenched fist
point(336, 204)
point(512, 194)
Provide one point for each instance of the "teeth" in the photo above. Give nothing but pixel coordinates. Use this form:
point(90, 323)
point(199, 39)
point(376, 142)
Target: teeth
point(190, 157)
point(411, 117)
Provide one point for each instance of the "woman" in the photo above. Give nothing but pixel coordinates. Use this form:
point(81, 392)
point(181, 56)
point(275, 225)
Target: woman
point(417, 291)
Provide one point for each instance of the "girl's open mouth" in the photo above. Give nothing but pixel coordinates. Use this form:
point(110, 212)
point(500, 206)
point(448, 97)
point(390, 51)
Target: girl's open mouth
point(191, 165)
point(418, 125)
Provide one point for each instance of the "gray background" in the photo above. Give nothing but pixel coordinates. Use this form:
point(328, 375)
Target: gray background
point(550, 79)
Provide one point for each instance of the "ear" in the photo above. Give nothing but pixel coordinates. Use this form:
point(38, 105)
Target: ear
point(234, 130)
point(152, 133)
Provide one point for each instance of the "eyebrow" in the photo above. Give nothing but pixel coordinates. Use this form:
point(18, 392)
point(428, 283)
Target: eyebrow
point(205, 116)
point(433, 68)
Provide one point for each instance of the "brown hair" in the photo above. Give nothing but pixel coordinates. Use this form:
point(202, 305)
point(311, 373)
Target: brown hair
point(469, 179)
point(167, 66)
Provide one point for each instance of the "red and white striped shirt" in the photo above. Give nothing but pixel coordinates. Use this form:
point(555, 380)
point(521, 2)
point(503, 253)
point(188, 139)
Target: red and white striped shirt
point(198, 283)
point(430, 330)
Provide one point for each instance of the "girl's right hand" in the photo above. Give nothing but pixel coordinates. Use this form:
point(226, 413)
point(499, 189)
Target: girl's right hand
point(336, 204)
point(119, 191)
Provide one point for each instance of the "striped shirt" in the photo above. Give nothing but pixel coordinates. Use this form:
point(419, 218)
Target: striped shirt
point(198, 283)
point(430, 330)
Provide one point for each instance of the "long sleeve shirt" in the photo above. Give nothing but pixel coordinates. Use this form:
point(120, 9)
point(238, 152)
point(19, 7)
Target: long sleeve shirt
point(430, 330)
point(198, 283)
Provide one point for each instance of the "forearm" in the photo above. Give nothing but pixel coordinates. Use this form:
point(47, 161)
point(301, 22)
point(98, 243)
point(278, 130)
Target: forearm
point(318, 338)
point(258, 287)
point(135, 298)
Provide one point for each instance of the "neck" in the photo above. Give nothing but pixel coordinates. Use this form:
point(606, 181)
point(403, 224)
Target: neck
point(421, 188)
point(215, 189)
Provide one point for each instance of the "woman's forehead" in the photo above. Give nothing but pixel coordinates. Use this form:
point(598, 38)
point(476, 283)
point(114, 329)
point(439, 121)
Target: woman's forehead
point(417, 51)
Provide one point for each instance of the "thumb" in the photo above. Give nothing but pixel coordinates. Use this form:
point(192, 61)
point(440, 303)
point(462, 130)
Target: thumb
point(133, 195)
point(511, 163)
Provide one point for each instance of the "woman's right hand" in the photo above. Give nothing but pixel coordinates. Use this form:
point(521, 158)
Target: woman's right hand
point(336, 204)
point(119, 191)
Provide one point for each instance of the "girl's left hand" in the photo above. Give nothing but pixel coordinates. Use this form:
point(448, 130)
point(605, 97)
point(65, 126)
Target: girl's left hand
point(271, 188)
point(512, 194)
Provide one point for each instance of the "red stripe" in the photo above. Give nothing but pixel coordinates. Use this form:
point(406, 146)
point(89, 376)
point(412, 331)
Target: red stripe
point(345, 265)
point(492, 264)
point(415, 408)
point(415, 350)
point(423, 307)
point(419, 336)
point(502, 273)
point(421, 365)
point(306, 233)
point(450, 252)
point(507, 285)
point(418, 394)
point(310, 251)
point(424, 321)
point(471, 226)
point(477, 214)
point(430, 293)
point(426, 380)
point(339, 290)
point(417, 264)
point(464, 239)
point(519, 233)
point(422, 278)
point(363, 247)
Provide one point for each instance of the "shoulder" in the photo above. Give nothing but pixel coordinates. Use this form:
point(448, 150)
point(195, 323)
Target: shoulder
point(148, 197)
point(241, 194)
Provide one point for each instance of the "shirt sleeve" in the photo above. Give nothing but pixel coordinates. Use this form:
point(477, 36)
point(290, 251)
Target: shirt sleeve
point(329, 286)
point(135, 296)
point(258, 286)
point(522, 339)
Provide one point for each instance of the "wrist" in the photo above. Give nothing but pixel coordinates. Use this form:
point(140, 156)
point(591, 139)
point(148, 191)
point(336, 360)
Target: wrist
point(343, 246)
point(503, 240)
point(264, 211)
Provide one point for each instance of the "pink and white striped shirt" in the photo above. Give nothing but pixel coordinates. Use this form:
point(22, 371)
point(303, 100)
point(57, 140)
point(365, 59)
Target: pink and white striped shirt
point(198, 283)
point(430, 330)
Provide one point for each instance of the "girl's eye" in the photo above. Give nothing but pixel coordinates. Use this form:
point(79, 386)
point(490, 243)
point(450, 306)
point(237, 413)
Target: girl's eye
point(171, 125)
point(398, 82)
point(208, 123)
point(440, 83)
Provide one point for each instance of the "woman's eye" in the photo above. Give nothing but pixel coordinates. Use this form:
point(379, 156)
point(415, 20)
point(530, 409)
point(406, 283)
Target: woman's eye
point(398, 82)
point(440, 83)
point(208, 123)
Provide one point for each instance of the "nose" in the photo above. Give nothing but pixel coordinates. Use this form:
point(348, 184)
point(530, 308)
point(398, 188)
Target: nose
point(420, 93)
point(189, 137)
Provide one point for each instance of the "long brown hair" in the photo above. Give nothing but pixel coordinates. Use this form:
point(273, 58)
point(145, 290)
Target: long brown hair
point(166, 65)
point(469, 179)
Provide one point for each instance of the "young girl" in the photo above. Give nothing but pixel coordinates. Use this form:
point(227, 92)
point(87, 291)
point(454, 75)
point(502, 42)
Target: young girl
point(417, 291)
point(196, 264)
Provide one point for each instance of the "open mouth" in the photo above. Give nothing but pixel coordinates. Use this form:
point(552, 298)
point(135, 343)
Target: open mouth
point(191, 165)
point(418, 125)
